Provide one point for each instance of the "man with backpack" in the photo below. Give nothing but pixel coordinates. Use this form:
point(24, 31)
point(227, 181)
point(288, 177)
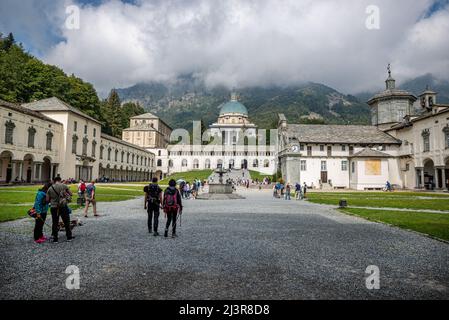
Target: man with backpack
point(172, 205)
point(59, 195)
point(153, 200)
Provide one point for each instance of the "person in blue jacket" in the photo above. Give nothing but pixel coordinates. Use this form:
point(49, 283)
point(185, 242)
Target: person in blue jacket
point(41, 207)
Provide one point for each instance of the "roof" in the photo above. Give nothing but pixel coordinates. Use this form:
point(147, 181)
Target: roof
point(55, 104)
point(19, 108)
point(147, 115)
point(423, 116)
point(233, 107)
point(370, 153)
point(340, 134)
point(108, 137)
point(392, 93)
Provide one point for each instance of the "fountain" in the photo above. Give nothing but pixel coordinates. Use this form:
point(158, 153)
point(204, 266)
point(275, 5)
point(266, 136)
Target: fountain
point(221, 190)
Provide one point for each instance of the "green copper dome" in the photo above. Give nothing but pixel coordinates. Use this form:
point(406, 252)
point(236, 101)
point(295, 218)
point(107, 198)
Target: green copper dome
point(233, 107)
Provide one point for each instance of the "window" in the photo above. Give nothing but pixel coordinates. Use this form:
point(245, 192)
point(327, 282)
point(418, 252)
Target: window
point(75, 126)
point(159, 163)
point(74, 143)
point(49, 140)
point(344, 165)
point(426, 140)
point(303, 165)
point(323, 166)
point(109, 154)
point(159, 153)
point(407, 167)
point(329, 151)
point(85, 129)
point(95, 132)
point(101, 152)
point(184, 163)
point(133, 157)
point(351, 150)
point(207, 164)
point(266, 163)
point(343, 148)
point(127, 157)
point(85, 142)
point(9, 132)
point(353, 167)
point(31, 135)
point(94, 147)
point(116, 155)
point(170, 163)
point(123, 156)
point(309, 151)
point(301, 147)
point(255, 163)
point(321, 148)
point(196, 164)
point(446, 136)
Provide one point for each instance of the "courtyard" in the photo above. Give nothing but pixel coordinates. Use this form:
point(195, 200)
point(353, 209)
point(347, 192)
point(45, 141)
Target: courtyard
point(257, 248)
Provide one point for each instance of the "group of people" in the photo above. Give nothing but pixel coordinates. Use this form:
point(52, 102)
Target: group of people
point(190, 190)
point(281, 190)
point(170, 201)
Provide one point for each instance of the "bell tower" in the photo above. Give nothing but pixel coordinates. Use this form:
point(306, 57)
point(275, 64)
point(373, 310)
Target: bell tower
point(428, 99)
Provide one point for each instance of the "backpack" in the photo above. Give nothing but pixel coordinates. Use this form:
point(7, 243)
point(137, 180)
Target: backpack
point(63, 198)
point(153, 193)
point(171, 201)
point(83, 187)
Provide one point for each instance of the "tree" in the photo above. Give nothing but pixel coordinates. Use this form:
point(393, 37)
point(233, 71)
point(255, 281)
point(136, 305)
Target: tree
point(113, 113)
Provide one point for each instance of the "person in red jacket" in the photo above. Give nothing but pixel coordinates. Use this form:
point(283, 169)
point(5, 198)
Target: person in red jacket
point(172, 204)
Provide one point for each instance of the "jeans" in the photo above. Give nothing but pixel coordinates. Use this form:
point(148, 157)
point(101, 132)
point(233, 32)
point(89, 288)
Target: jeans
point(153, 216)
point(287, 196)
point(172, 216)
point(39, 226)
point(64, 214)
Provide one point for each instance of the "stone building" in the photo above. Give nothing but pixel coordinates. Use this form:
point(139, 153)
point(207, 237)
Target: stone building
point(63, 140)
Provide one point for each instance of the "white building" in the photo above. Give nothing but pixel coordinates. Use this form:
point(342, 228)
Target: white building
point(60, 139)
point(408, 148)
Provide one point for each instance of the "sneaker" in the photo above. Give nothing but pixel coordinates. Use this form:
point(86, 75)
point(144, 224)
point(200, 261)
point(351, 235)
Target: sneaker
point(45, 238)
point(54, 240)
point(166, 233)
point(70, 239)
point(156, 234)
point(174, 235)
point(39, 241)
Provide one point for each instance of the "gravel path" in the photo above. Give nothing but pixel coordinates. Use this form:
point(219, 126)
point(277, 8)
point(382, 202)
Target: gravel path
point(258, 248)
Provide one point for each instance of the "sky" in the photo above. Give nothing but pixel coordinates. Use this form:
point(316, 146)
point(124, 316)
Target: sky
point(236, 43)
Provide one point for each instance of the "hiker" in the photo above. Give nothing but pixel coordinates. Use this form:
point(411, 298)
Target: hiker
point(81, 193)
point(90, 199)
point(41, 207)
point(59, 195)
point(172, 205)
point(304, 190)
point(298, 191)
point(388, 187)
point(287, 192)
point(153, 200)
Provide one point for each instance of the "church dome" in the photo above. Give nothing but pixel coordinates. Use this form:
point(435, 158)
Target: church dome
point(233, 106)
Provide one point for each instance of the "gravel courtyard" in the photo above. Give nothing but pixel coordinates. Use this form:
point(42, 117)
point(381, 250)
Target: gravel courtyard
point(258, 248)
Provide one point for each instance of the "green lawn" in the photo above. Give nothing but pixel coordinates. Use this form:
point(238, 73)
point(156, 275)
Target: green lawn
point(404, 200)
point(433, 224)
point(17, 200)
point(188, 176)
point(258, 175)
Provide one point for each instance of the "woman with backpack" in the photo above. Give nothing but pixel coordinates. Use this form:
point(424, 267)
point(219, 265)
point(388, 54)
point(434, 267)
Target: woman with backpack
point(172, 205)
point(41, 207)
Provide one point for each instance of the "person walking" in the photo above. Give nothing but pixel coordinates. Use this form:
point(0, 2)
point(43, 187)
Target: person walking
point(59, 195)
point(153, 200)
point(304, 190)
point(298, 191)
point(90, 199)
point(172, 205)
point(41, 207)
point(288, 192)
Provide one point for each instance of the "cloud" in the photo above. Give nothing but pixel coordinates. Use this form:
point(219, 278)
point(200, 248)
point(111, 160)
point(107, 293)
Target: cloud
point(254, 42)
